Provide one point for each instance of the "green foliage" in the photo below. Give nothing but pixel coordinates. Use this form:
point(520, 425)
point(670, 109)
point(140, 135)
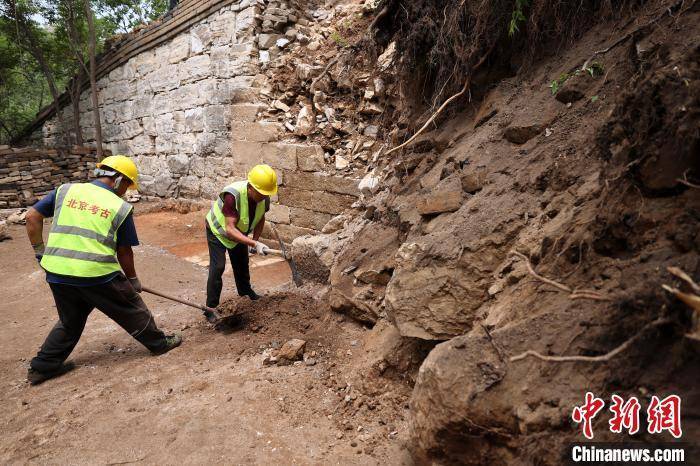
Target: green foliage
point(120, 16)
point(517, 16)
point(594, 98)
point(595, 69)
point(59, 30)
point(556, 84)
point(339, 40)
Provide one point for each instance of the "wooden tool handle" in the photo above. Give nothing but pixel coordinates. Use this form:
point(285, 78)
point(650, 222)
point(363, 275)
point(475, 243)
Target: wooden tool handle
point(177, 300)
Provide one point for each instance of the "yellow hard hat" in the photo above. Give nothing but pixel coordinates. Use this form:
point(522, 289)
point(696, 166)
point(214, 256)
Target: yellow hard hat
point(123, 165)
point(264, 179)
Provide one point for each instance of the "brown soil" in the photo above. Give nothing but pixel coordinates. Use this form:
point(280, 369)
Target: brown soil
point(209, 401)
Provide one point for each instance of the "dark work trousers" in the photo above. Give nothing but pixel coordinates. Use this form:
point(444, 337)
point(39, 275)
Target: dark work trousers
point(117, 299)
point(217, 263)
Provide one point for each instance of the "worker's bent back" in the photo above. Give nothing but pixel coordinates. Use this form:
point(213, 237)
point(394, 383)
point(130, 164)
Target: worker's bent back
point(83, 237)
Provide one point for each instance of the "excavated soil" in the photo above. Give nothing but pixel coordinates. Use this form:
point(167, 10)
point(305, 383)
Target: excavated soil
point(211, 400)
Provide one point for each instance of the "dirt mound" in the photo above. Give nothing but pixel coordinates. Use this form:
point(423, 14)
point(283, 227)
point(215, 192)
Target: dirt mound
point(279, 317)
point(544, 222)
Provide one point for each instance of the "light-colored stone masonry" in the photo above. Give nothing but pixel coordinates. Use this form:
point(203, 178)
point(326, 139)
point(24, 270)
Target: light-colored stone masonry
point(188, 111)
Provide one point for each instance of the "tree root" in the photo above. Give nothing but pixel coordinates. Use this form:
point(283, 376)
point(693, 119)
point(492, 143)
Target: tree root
point(467, 83)
point(312, 87)
point(573, 293)
point(685, 181)
point(602, 358)
point(692, 300)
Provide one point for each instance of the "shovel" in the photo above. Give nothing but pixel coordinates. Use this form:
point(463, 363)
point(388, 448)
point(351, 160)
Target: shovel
point(212, 315)
point(283, 252)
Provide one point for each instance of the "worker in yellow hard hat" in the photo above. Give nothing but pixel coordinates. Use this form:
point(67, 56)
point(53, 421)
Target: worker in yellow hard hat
point(239, 210)
point(89, 264)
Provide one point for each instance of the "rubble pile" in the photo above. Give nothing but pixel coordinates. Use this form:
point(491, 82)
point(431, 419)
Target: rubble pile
point(456, 239)
point(321, 90)
point(27, 173)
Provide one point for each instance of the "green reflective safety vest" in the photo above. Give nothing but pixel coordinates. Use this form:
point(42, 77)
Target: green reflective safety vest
point(83, 237)
point(217, 221)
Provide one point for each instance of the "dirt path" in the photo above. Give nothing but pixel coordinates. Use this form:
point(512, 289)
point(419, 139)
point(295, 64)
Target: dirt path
point(210, 401)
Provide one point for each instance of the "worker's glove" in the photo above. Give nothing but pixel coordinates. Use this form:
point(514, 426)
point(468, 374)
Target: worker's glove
point(136, 284)
point(261, 249)
point(39, 250)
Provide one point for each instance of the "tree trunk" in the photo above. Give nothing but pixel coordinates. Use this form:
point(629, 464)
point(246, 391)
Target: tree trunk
point(93, 79)
point(75, 100)
point(38, 55)
point(10, 135)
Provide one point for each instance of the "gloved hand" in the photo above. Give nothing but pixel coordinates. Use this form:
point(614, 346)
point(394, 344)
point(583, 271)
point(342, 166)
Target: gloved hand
point(261, 249)
point(39, 250)
point(136, 284)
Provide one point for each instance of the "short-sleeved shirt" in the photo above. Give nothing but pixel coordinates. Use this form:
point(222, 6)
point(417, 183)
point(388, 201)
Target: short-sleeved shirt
point(229, 209)
point(126, 236)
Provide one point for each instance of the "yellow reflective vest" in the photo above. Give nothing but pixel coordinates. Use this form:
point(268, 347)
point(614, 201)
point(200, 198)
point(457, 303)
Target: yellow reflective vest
point(217, 220)
point(83, 237)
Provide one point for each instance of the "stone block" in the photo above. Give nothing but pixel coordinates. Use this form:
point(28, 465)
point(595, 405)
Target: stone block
point(258, 131)
point(280, 156)
point(179, 49)
point(141, 145)
point(245, 21)
point(195, 68)
point(278, 214)
point(141, 106)
point(318, 201)
point(129, 129)
point(308, 218)
point(189, 186)
point(164, 144)
point(322, 182)
point(266, 41)
point(164, 123)
point(245, 112)
point(149, 126)
point(310, 158)
point(209, 144)
point(165, 78)
point(247, 153)
point(194, 122)
point(215, 118)
point(178, 163)
point(288, 233)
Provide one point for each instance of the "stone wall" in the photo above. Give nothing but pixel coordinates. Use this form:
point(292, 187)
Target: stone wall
point(26, 173)
point(191, 113)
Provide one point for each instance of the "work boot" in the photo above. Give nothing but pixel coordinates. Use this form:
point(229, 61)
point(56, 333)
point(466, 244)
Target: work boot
point(211, 317)
point(171, 342)
point(35, 377)
point(252, 295)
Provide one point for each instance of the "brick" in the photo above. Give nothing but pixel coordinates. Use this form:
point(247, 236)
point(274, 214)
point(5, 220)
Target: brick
point(315, 200)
